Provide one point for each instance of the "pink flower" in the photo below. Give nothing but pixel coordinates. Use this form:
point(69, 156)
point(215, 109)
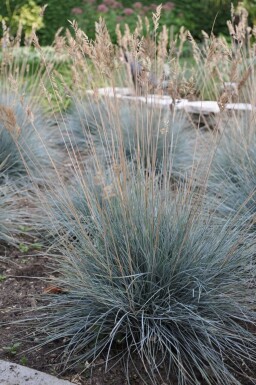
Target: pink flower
point(116, 4)
point(168, 6)
point(128, 11)
point(146, 8)
point(76, 11)
point(119, 19)
point(137, 5)
point(102, 8)
point(153, 7)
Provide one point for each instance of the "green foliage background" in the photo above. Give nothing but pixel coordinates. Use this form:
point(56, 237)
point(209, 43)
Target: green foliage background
point(196, 16)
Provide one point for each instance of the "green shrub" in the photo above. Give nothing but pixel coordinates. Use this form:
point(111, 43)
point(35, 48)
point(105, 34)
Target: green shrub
point(56, 16)
point(195, 16)
point(26, 13)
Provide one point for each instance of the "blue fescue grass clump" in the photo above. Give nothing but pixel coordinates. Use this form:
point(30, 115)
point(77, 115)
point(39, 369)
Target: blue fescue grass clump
point(82, 123)
point(70, 209)
point(26, 139)
point(13, 215)
point(151, 137)
point(6, 203)
point(233, 171)
point(158, 278)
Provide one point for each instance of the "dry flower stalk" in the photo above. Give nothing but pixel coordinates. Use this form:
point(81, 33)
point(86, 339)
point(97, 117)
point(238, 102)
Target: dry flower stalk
point(8, 119)
point(156, 17)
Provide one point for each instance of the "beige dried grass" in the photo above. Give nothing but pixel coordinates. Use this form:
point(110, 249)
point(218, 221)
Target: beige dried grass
point(8, 119)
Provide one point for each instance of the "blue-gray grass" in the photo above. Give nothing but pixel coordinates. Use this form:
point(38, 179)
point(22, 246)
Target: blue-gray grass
point(143, 263)
point(14, 216)
point(26, 138)
point(232, 176)
point(153, 138)
point(153, 272)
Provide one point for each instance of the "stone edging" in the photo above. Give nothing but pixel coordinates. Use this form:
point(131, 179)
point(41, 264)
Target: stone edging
point(195, 107)
point(14, 374)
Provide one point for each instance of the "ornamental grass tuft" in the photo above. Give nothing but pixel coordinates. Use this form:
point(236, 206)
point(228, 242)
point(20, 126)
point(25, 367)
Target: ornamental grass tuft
point(232, 174)
point(24, 133)
point(145, 272)
point(13, 214)
point(152, 138)
point(154, 275)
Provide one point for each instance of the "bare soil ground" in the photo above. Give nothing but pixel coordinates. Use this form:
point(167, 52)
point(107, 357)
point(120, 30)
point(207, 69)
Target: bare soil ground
point(23, 277)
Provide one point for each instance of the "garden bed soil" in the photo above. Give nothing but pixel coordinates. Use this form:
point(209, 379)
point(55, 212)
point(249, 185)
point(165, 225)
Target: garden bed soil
point(23, 277)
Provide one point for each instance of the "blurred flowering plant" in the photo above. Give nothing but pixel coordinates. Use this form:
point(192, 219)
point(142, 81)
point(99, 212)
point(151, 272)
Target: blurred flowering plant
point(115, 12)
point(29, 16)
